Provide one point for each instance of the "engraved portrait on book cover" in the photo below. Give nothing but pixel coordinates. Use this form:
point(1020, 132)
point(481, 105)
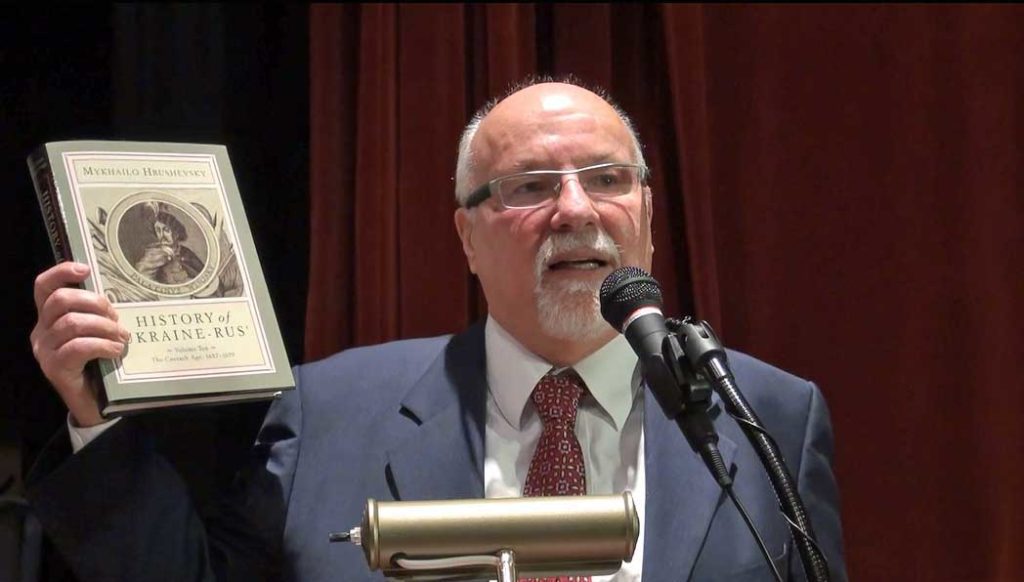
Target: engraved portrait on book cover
point(153, 245)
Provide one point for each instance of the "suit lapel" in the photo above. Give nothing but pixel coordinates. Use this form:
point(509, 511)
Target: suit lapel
point(441, 452)
point(681, 497)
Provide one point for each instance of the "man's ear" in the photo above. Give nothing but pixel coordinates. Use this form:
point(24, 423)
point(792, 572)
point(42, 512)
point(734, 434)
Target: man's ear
point(464, 226)
point(648, 200)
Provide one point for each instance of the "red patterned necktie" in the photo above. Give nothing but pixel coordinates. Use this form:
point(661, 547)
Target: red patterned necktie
point(557, 465)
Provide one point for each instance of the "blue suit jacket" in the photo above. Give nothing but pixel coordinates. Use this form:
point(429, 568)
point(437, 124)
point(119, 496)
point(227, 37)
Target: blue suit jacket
point(405, 421)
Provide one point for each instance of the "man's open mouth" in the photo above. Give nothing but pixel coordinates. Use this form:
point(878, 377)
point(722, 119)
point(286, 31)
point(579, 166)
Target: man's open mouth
point(577, 264)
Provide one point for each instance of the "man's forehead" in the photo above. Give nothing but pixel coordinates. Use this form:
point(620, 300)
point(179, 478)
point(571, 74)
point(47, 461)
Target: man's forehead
point(591, 157)
point(556, 112)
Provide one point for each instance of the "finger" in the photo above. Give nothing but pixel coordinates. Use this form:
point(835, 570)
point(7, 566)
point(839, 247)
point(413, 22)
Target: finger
point(52, 347)
point(78, 351)
point(68, 300)
point(75, 325)
point(70, 358)
point(62, 275)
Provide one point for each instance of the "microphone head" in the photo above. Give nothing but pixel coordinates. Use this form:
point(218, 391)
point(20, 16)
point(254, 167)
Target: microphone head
point(624, 291)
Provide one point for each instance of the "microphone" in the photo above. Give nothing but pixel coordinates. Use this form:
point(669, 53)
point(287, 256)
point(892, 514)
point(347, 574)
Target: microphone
point(546, 536)
point(631, 303)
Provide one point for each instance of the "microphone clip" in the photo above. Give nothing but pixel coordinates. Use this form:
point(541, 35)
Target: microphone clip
point(700, 343)
point(694, 389)
point(693, 401)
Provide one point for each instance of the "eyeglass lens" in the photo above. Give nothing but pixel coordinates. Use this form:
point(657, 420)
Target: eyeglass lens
point(535, 189)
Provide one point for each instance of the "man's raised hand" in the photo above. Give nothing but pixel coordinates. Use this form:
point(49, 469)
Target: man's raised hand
point(74, 326)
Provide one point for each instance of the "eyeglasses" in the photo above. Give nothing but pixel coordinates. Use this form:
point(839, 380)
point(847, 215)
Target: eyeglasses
point(534, 189)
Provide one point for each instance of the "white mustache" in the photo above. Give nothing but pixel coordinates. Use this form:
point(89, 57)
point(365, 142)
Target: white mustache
point(592, 239)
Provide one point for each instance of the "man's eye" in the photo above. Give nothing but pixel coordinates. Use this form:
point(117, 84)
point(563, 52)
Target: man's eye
point(606, 179)
point(530, 187)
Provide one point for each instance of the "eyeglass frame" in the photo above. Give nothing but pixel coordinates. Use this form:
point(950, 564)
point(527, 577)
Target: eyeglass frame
point(481, 194)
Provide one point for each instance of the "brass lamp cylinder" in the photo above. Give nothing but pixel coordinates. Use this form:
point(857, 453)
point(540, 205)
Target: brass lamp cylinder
point(587, 535)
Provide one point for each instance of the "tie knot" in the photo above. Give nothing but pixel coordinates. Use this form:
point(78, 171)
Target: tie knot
point(557, 397)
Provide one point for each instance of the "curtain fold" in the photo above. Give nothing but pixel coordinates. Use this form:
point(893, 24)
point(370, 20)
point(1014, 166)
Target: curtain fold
point(434, 283)
point(685, 69)
point(375, 190)
point(332, 56)
point(837, 189)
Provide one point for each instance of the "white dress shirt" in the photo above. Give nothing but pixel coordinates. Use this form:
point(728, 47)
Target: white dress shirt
point(609, 425)
point(81, 436)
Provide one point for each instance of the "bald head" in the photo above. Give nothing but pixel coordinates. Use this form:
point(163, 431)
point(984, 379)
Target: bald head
point(498, 125)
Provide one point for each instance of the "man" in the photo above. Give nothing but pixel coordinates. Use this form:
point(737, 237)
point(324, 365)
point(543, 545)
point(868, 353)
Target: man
point(553, 196)
point(167, 260)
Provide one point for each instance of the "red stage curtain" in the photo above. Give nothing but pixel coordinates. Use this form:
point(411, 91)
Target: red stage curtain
point(838, 189)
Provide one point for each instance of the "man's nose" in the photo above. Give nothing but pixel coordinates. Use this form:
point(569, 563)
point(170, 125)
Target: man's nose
point(574, 209)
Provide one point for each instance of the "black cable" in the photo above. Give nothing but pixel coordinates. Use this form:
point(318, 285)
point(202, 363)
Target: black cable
point(753, 426)
point(699, 430)
point(815, 565)
point(708, 358)
point(690, 423)
point(797, 528)
point(750, 525)
point(792, 525)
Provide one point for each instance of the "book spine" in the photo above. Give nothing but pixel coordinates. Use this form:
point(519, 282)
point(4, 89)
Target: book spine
point(49, 203)
point(56, 228)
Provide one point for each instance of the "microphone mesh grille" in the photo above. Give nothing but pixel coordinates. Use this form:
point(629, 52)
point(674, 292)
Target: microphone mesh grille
point(624, 291)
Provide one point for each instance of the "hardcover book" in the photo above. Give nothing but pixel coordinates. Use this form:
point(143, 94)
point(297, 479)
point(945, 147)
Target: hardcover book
point(162, 227)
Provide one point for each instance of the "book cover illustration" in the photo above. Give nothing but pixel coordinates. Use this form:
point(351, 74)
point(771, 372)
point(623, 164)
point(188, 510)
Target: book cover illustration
point(161, 243)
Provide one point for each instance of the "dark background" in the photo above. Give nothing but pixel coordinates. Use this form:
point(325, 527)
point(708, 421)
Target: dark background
point(228, 74)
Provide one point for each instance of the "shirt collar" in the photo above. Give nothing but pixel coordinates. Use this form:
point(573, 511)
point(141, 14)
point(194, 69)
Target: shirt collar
point(513, 372)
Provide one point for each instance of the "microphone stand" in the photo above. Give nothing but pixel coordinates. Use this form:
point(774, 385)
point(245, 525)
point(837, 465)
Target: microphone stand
point(687, 403)
point(705, 353)
point(691, 405)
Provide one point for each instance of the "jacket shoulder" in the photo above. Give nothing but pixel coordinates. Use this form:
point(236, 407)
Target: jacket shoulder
point(392, 364)
point(782, 400)
point(763, 376)
point(787, 405)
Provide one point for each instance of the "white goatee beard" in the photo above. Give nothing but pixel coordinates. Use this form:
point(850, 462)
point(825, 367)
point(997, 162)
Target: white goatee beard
point(571, 310)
